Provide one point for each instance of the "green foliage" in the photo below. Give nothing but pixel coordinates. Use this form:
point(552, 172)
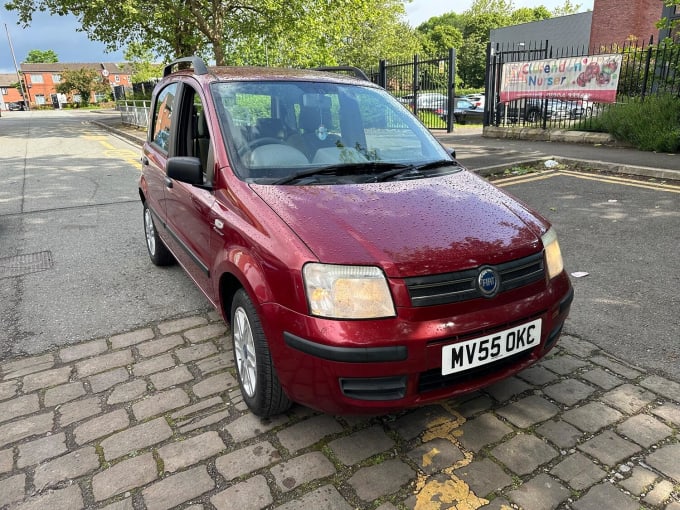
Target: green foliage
point(140, 59)
point(83, 82)
point(566, 9)
point(649, 125)
point(41, 57)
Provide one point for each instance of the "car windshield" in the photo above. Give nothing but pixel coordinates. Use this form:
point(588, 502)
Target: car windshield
point(323, 133)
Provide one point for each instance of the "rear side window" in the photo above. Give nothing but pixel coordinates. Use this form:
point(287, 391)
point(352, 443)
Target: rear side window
point(162, 116)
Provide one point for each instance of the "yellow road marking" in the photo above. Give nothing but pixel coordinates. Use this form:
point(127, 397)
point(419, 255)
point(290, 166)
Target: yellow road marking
point(110, 151)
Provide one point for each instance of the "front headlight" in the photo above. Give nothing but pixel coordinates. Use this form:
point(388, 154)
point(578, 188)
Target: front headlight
point(347, 292)
point(553, 255)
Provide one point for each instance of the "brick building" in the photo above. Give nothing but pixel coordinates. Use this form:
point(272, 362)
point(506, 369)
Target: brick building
point(614, 23)
point(42, 79)
point(8, 93)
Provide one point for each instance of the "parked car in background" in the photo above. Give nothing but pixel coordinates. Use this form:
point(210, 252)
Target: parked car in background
point(426, 101)
point(362, 269)
point(463, 112)
point(532, 110)
point(478, 100)
point(16, 106)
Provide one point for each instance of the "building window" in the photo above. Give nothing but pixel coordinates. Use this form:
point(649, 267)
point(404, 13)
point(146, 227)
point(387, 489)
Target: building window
point(3, 90)
point(37, 78)
point(39, 99)
point(117, 78)
point(56, 78)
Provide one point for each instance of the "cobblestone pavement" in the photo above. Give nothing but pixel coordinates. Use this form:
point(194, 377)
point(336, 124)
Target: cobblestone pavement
point(153, 418)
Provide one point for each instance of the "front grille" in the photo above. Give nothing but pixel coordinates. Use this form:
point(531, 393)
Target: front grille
point(374, 388)
point(448, 288)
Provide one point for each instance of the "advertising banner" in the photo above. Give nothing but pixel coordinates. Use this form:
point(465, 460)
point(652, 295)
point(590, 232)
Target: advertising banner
point(588, 78)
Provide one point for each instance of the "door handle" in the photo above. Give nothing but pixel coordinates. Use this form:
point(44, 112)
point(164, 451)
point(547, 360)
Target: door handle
point(168, 182)
point(145, 160)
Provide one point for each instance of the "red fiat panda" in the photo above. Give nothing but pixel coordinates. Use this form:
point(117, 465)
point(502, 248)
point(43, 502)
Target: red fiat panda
point(361, 268)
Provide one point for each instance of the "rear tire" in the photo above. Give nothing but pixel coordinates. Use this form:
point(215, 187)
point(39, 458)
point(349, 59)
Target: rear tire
point(158, 252)
point(256, 374)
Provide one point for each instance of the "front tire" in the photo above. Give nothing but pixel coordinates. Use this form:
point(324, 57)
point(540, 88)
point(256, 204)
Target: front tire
point(256, 374)
point(158, 252)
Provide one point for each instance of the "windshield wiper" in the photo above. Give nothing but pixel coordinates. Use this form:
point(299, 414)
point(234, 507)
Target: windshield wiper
point(344, 169)
point(414, 169)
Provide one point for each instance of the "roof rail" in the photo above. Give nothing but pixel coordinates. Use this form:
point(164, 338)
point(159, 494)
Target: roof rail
point(358, 73)
point(196, 63)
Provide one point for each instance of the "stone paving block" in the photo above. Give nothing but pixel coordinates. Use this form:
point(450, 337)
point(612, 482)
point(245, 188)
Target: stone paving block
point(124, 476)
point(131, 338)
point(136, 438)
point(639, 481)
point(215, 384)
point(540, 493)
point(6, 460)
point(662, 386)
point(214, 363)
point(507, 388)
point(308, 432)
point(45, 379)
point(665, 459)
point(560, 433)
point(644, 430)
point(153, 365)
point(627, 398)
point(159, 345)
point(106, 380)
point(12, 489)
point(361, 445)
point(78, 410)
point(563, 365)
point(373, 482)
point(474, 406)
point(660, 493)
point(411, 425)
point(301, 470)
point(528, 411)
point(177, 489)
point(66, 467)
point(103, 363)
point(592, 417)
point(177, 325)
point(668, 412)
point(8, 389)
point(127, 391)
point(41, 449)
point(159, 403)
point(30, 426)
point(524, 453)
point(123, 504)
point(569, 392)
point(618, 367)
point(196, 352)
point(71, 497)
point(252, 494)
point(578, 471)
point(205, 333)
point(172, 377)
point(101, 426)
point(246, 460)
point(22, 367)
point(215, 402)
point(537, 375)
point(64, 393)
point(84, 350)
point(609, 448)
point(436, 455)
point(484, 477)
point(181, 454)
point(326, 498)
point(482, 431)
point(602, 378)
point(19, 407)
point(605, 496)
point(196, 424)
point(576, 346)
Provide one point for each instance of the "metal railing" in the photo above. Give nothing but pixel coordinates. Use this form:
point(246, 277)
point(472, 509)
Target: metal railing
point(134, 113)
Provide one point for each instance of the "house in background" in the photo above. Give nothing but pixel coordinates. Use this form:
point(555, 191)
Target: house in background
point(8, 93)
point(42, 79)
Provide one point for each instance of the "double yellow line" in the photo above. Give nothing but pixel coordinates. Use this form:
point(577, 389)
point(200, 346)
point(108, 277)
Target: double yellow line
point(127, 155)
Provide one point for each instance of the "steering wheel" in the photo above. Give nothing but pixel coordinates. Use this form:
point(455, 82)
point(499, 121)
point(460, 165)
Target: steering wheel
point(258, 142)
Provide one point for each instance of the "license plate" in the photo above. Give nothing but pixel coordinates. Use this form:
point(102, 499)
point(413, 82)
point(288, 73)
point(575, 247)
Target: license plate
point(480, 351)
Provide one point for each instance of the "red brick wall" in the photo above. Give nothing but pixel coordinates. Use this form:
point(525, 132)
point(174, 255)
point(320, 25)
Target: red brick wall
point(614, 21)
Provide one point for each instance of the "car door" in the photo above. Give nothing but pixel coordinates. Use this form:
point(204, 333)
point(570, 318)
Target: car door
point(188, 206)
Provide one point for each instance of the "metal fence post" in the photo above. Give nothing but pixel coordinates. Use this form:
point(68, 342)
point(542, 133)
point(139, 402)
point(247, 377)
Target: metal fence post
point(416, 84)
point(451, 86)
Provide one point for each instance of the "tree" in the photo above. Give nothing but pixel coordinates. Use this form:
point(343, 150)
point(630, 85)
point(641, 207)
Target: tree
point(566, 9)
point(140, 59)
point(41, 57)
point(82, 82)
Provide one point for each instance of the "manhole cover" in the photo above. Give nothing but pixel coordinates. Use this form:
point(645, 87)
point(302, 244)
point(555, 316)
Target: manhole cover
point(25, 264)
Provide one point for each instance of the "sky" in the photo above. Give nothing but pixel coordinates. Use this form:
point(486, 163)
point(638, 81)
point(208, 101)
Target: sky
point(59, 33)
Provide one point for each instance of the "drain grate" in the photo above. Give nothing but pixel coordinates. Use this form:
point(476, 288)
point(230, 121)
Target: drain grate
point(25, 264)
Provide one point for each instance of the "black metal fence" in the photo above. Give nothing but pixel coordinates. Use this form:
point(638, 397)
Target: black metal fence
point(425, 86)
point(646, 69)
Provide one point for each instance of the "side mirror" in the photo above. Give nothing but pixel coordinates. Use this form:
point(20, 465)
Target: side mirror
point(185, 169)
point(451, 151)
